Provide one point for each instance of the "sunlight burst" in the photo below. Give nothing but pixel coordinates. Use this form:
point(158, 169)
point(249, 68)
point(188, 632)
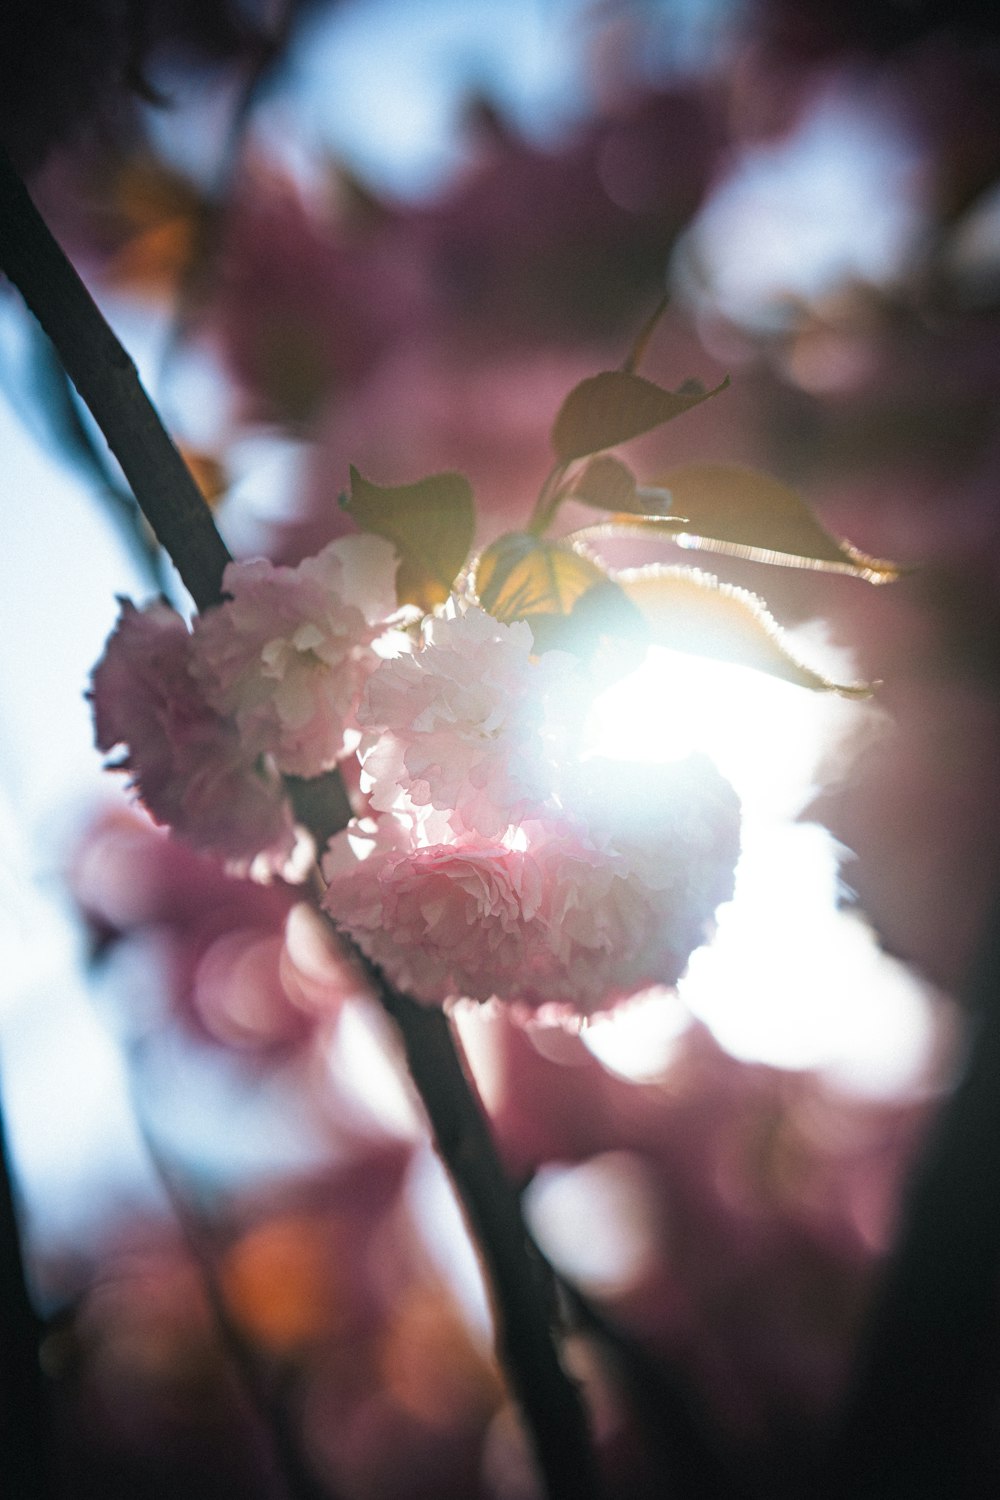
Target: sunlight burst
point(791, 978)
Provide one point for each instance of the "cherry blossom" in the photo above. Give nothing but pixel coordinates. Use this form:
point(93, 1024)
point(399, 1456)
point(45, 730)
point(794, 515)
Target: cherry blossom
point(557, 916)
point(185, 760)
point(634, 877)
point(469, 725)
point(287, 654)
point(441, 919)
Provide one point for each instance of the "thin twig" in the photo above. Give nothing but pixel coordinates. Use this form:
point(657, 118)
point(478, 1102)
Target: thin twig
point(107, 381)
point(268, 1406)
point(696, 1461)
point(631, 361)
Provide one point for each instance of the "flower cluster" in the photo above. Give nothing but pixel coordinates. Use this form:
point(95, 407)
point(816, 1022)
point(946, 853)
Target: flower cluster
point(185, 760)
point(496, 870)
point(496, 862)
point(266, 683)
point(286, 657)
point(469, 726)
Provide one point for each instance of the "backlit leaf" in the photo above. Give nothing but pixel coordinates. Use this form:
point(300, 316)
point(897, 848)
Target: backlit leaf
point(608, 484)
point(430, 523)
point(616, 405)
point(603, 627)
point(520, 575)
point(568, 600)
point(741, 512)
point(692, 611)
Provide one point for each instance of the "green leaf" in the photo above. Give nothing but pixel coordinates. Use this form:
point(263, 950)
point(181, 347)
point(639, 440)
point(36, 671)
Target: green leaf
point(520, 575)
point(606, 484)
point(736, 510)
point(431, 525)
point(616, 405)
point(569, 601)
point(692, 611)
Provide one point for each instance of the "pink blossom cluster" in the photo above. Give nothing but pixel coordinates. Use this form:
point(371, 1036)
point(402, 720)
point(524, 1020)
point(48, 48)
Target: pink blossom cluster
point(266, 683)
point(185, 760)
point(473, 725)
point(496, 863)
point(287, 655)
point(494, 870)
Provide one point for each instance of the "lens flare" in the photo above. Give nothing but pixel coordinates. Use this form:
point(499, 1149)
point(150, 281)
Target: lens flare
point(791, 977)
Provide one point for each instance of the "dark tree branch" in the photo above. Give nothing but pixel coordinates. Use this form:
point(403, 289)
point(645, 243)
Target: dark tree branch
point(521, 1286)
point(109, 384)
point(921, 1412)
point(172, 503)
point(25, 1446)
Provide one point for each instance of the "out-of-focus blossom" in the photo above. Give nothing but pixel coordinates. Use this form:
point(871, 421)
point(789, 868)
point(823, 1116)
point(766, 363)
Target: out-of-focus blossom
point(569, 247)
point(307, 300)
point(461, 726)
point(808, 31)
point(311, 1274)
point(245, 964)
point(530, 249)
point(186, 761)
point(287, 654)
point(441, 919)
point(761, 1202)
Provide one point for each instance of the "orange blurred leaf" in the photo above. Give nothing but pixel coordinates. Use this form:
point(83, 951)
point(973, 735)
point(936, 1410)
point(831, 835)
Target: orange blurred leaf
point(210, 473)
point(162, 216)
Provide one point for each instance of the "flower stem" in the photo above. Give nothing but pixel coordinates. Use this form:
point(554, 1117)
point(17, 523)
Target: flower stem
point(550, 497)
point(108, 383)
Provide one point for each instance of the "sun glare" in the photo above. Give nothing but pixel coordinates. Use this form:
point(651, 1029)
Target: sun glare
point(766, 736)
point(791, 978)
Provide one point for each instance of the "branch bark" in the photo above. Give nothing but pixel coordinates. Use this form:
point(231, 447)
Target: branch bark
point(109, 384)
point(25, 1449)
point(523, 1301)
point(919, 1421)
point(523, 1293)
